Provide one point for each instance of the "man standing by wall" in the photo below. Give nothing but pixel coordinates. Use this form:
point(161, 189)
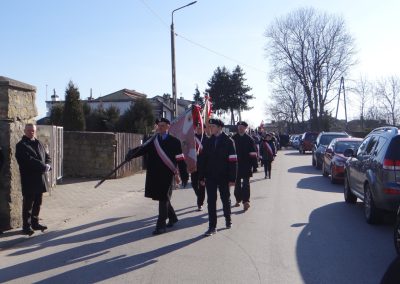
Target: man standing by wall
point(217, 170)
point(33, 163)
point(247, 159)
point(164, 155)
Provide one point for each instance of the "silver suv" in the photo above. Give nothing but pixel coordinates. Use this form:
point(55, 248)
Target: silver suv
point(372, 173)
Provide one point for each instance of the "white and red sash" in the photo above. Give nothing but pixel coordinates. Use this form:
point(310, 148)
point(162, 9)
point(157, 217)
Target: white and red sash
point(167, 161)
point(269, 149)
point(199, 146)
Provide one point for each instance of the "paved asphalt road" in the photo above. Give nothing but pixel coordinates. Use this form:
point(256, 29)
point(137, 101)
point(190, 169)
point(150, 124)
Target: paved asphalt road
point(298, 230)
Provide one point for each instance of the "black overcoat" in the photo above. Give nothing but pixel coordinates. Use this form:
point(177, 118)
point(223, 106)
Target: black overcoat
point(219, 160)
point(247, 154)
point(159, 178)
point(32, 159)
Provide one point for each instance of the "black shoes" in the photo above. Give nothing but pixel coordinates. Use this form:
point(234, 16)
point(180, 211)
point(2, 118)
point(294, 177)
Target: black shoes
point(200, 208)
point(171, 223)
point(159, 231)
point(39, 227)
point(28, 231)
point(210, 232)
point(228, 225)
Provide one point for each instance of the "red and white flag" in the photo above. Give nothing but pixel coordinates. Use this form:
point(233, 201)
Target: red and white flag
point(183, 129)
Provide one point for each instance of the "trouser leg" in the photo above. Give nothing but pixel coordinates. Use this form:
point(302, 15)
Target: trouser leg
point(265, 167)
point(226, 200)
point(238, 190)
point(199, 190)
point(163, 206)
point(27, 205)
point(36, 209)
point(211, 187)
point(269, 168)
point(246, 189)
point(202, 195)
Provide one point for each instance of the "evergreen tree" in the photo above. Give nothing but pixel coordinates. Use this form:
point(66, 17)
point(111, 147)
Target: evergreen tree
point(74, 119)
point(138, 118)
point(197, 98)
point(56, 115)
point(228, 91)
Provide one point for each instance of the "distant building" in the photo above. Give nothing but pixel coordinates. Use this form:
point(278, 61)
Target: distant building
point(123, 99)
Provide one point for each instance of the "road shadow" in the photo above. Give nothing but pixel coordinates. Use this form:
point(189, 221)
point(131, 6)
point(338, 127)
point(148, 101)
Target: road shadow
point(338, 246)
point(319, 183)
point(392, 274)
point(115, 235)
point(296, 153)
point(73, 180)
point(112, 267)
point(304, 170)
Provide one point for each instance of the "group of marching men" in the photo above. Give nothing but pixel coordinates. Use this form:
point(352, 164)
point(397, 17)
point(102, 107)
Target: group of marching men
point(222, 162)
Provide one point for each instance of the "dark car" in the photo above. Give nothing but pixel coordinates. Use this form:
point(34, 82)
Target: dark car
point(397, 232)
point(307, 141)
point(372, 174)
point(333, 161)
point(322, 141)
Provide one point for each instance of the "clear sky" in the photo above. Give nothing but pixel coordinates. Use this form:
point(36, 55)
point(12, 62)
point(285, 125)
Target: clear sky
point(110, 45)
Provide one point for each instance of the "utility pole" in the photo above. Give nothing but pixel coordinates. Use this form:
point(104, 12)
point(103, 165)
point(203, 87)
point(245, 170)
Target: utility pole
point(341, 86)
point(174, 98)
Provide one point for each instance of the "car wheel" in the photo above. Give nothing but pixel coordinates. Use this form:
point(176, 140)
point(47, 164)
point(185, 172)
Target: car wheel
point(349, 197)
point(397, 236)
point(324, 172)
point(333, 179)
point(372, 214)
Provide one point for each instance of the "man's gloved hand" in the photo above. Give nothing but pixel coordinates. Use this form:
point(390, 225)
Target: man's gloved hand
point(129, 156)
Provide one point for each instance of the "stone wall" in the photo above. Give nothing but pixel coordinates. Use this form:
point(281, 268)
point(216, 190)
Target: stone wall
point(17, 107)
point(96, 154)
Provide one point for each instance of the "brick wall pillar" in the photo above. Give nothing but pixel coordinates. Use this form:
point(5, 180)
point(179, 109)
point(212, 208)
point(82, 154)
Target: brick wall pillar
point(17, 107)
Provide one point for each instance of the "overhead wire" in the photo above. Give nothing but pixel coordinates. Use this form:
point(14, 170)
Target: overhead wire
point(201, 45)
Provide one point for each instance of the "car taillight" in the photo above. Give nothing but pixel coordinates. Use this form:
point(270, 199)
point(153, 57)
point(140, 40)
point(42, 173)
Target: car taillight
point(391, 165)
point(391, 191)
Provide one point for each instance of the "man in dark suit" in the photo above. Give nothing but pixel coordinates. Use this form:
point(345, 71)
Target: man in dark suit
point(247, 159)
point(200, 190)
point(217, 171)
point(165, 168)
point(34, 162)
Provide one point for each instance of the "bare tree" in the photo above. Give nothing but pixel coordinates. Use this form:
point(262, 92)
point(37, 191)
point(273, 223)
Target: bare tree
point(317, 49)
point(388, 94)
point(363, 91)
point(288, 101)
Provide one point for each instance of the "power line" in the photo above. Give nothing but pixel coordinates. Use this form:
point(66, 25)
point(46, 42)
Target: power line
point(200, 45)
point(220, 54)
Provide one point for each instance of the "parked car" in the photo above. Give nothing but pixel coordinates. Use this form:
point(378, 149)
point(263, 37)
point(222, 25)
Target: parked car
point(307, 141)
point(333, 160)
point(397, 232)
point(322, 141)
point(296, 141)
point(372, 174)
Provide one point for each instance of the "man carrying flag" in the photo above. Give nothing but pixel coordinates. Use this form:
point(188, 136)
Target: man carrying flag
point(165, 166)
point(199, 189)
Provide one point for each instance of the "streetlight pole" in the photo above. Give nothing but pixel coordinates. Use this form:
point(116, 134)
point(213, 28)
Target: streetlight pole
point(175, 99)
